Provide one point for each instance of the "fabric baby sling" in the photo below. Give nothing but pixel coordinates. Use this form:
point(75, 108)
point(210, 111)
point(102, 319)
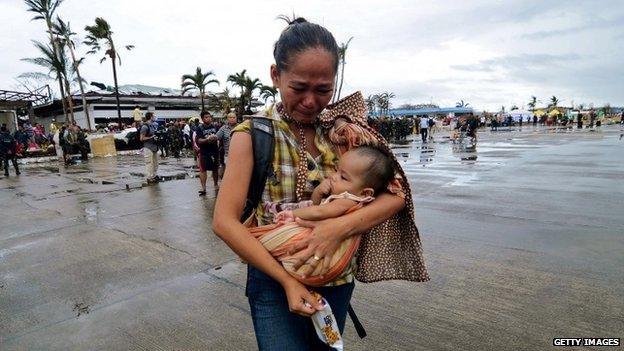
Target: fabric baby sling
point(263, 143)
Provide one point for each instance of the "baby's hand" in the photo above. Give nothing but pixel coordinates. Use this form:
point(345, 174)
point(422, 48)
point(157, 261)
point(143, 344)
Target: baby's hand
point(324, 188)
point(284, 217)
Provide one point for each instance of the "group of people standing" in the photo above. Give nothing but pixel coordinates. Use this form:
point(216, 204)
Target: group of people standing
point(209, 141)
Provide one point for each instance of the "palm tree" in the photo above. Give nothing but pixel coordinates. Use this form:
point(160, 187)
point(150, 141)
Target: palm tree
point(198, 81)
point(238, 80)
point(371, 101)
point(268, 92)
point(63, 30)
point(532, 103)
point(383, 102)
point(101, 34)
point(554, 101)
point(45, 10)
point(56, 65)
point(342, 51)
point(461, 103)
point(224, 101)
point(251, 85)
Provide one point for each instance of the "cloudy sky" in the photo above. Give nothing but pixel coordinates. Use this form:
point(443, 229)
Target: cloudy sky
point(487, 53)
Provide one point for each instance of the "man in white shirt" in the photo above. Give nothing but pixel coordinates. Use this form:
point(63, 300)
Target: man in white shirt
point(424, 127)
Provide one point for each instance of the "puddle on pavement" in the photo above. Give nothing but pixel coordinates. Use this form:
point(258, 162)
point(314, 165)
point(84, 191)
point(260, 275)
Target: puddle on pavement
point(91, 211)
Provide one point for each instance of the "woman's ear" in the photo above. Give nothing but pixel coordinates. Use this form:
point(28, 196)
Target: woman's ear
point(274, 75)
point(368, 192)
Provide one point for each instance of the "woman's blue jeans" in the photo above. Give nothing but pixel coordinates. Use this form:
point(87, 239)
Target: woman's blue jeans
point(279, 329)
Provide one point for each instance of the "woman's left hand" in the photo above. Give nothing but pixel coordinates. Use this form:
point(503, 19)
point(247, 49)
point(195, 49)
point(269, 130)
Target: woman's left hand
point(325, 239)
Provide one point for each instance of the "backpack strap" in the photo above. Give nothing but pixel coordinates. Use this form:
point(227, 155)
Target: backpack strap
point(262, 143)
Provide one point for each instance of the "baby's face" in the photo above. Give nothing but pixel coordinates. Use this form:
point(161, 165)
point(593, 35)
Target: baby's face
point(349, 174)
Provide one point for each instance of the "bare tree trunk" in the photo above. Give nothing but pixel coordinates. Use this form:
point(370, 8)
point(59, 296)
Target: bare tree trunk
point(341, 80)
point(70, 101)
point(116, 91)
point(62, 90)
point(56, 51)
point(82, 93)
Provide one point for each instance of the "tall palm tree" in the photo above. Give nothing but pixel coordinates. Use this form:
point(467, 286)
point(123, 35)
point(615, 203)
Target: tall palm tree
point(342, 51)
point(461, 103)
point(554, 101)
point(371, 101)
point(198, 81)
point(56, 66)
point(101, 34)
point(532, 103)
point(251, 85)
point(268, 92)
point(383, 102)
point(225, 101)
point(63, 30)
point(238, 80)
point(44, 10)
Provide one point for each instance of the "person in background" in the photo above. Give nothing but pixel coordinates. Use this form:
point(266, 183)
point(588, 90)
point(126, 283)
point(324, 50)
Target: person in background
point(137, 116)
point(187, 135)
point(83, 143)
point(207, 141)
point(21, 137)
point(424, 127)
point(432, 127)
point(71, 143)
point(150, 149)
point(176, 138)
point(8, 150)
point(224, 137)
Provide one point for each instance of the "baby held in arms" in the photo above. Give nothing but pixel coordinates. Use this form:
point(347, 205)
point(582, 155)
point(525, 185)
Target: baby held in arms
point(362, 173)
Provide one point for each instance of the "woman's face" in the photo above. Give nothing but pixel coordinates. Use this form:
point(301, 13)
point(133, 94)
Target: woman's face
point(306, 86)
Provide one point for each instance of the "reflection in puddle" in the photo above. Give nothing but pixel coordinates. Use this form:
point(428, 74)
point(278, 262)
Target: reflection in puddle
point(91, 212)
point(427, 152)
point(467, 153)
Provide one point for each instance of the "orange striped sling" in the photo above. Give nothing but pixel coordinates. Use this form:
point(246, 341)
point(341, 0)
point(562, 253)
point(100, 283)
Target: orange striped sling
point(280, 238)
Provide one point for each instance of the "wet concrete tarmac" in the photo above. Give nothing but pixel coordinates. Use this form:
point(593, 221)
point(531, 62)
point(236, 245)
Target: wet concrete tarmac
point(523, 236)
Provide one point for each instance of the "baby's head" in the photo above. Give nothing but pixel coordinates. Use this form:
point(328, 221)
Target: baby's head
point(362, 171)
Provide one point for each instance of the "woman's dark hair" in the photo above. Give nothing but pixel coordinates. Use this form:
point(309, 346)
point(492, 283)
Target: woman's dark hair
point(380, 171)
point(299, 36)
point(148, 116)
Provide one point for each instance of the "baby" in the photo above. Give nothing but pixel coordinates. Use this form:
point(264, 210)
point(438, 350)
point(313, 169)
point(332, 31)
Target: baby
point(361, 173)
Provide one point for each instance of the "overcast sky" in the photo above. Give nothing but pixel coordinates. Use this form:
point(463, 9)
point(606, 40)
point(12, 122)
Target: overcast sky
point(488, 53)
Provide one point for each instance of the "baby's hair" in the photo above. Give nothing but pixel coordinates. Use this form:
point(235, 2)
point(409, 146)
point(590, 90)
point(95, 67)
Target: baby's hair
point(380, 170)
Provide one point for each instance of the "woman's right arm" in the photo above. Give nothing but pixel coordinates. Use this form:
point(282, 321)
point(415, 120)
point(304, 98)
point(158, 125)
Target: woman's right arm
point(228, 209)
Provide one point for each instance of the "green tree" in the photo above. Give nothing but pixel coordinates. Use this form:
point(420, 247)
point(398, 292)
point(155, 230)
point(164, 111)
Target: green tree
point(371, 102)
point(251, 85)
point(198, 81)
point(224, 101)
point(56, 66)
point(532, 103)
point(461, 103)
point(64, 32)
point(384, 103)
point(238, 80)
point(44, 10)
point(554, 102)
point(268, 92)
point(342, 52)
point(101, 34)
